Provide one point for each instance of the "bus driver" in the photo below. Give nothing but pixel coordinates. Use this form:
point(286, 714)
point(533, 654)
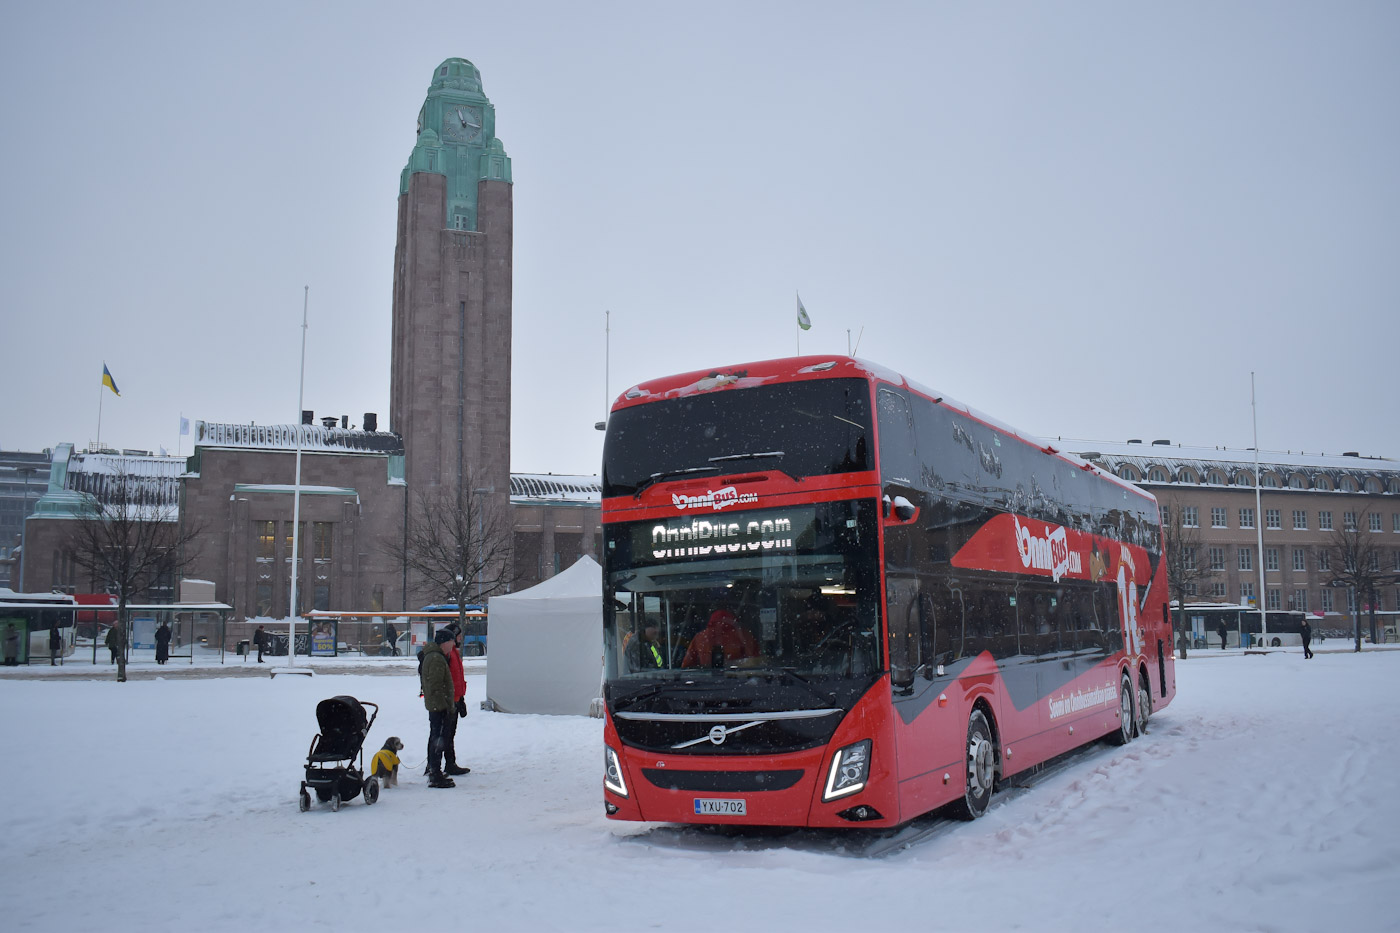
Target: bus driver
point(720, 641)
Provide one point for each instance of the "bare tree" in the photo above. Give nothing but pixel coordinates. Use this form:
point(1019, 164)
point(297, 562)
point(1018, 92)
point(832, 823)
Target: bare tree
point(1355, 558)
point(457, 548)
point(130, 541)
point(1186, 568)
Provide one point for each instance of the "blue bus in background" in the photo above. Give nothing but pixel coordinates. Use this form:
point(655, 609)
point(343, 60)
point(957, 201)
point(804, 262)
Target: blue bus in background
point(474, 638)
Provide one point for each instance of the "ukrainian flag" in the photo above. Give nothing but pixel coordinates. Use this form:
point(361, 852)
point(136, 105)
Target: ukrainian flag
point(108, 381)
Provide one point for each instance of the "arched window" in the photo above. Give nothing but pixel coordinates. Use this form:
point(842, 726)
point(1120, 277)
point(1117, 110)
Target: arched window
point(1243, 479)
point(1129, 472)
point(1215, 478)
point(1296, 481)
point(1157, 475)
point(1322, 483)
point(1393, 485)
point(1186, 475)
point(1269, 481)
point(1373, 484)
point(1348, 484)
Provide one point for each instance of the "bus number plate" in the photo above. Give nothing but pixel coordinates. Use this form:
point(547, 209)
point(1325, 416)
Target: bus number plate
point(720, 806)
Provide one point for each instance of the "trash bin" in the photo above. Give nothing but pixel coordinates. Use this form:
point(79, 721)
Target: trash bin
point(243, 647)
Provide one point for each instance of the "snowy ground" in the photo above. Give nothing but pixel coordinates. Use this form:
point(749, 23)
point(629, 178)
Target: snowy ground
point(1264, 798)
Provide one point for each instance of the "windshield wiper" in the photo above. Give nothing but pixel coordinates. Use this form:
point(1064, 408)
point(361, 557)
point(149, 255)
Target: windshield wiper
point(655, 478)
point(764, 455)
point(792, 672)
point(644, 694)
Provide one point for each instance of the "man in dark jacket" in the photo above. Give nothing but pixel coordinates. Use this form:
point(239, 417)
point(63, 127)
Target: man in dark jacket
point(55, 645)
point(1224, 634)
point(1306, 631)
point(260, 640)
point(436, 680)
point(116, 643)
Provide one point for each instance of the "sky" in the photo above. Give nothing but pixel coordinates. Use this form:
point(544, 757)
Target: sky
point(1089, 220)
point(1261, 798)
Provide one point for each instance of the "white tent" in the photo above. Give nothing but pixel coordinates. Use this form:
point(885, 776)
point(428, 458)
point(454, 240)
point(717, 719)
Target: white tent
point(546, 644)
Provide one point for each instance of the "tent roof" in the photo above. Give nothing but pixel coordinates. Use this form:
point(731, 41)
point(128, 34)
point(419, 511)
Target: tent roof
point(584, 578)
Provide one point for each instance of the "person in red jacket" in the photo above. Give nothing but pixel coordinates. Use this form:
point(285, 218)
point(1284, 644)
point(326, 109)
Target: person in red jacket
point(721, 640)
point(459, 694)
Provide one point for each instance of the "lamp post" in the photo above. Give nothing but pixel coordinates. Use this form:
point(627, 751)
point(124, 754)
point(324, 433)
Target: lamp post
point(480, 558)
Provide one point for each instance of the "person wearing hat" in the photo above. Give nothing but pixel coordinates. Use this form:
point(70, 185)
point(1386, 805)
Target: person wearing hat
point(644, 653)
point(453, 650)
point(436, 680)
point(719, 642)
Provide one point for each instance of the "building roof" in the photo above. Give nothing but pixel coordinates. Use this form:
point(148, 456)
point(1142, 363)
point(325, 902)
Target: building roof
point(555, 488)
point(312, 437)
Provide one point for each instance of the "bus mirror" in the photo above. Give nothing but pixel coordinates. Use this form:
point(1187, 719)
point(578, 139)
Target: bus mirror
point(904, 510)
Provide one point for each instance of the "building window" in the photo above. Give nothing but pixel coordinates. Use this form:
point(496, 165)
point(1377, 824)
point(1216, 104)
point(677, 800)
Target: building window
point(1300, 519)
point(322, 598)
point(1166, 514)
point(264, 600)
point(1190, 589)
point(1395, 522)
point(1217, 516)
point(1300, 600)
point(1246, 559)
point(1217, 590)
point(1373, 484)
point(1272, 519)
point(1322, 483)
point(1270, 558)
point(1275, 599)
point(1246, 518)
point(1217, 560)
point(1186, 475)
point(1351, 600)
point(1215, 478)
point(1324, 520)
point(1243, 479)
point(1158, 475)
point(1269, 481)
point(1375, 521)
point(323, 541)
point(1247, 592)
point(1300, 560)
point(267, 539)
point(1190, 516)
point(1349, 521)
point(1324, 561)
point(1395, 565)
point(1326, 600)
point(1348, 484)
point(1127, 472)
point(1297, 482)
point(288, 543)
point(1374, 564)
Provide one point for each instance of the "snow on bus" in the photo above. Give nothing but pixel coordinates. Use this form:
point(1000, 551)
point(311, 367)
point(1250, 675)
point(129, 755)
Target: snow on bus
point(833, 597)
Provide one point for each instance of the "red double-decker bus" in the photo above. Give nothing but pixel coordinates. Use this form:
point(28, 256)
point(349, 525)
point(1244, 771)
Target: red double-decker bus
point(835, 598)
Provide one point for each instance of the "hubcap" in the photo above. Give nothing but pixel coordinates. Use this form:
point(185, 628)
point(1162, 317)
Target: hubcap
point(981, 765)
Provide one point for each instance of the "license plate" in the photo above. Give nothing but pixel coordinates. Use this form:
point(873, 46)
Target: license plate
point(720, 806)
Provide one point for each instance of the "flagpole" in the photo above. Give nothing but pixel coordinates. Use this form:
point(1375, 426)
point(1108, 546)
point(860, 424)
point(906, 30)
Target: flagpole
point(100, 387)
point(296, 494)
point(1258, 510)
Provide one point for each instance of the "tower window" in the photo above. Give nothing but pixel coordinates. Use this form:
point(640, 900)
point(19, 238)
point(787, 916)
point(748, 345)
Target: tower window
point(444, 71)
point(459, 222)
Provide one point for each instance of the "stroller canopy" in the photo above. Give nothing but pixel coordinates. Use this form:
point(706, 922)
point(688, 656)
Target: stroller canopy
point(343, 724)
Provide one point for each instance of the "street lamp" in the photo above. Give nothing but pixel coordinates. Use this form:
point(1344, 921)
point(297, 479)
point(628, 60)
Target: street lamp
point(480, 491)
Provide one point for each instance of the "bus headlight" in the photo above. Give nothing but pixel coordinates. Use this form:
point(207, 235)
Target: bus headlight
point(849, 770)
point(612, 772)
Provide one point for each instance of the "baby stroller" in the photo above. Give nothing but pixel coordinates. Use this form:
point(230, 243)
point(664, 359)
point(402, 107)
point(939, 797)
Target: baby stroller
point(335, 765)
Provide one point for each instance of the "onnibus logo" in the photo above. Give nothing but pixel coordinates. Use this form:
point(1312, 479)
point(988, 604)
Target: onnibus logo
point(701, 538)
point(1051, 552)
point(714, 498)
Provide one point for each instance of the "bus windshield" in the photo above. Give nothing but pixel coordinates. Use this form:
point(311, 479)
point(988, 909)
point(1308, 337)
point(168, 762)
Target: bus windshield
point(786, 595)
point(811, 428)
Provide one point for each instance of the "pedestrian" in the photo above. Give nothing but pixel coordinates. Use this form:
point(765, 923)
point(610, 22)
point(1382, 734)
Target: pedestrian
point(163, 643)
point(11, 646)
point(391, 635)
point(55, 645)
point(116, 642)
point(453, 650)
point(436, 682)
point(260, 640)
point(1224, 634)
point(1306, 631)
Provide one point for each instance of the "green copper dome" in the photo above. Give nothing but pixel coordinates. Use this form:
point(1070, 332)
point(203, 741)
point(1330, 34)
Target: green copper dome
point(457, 139)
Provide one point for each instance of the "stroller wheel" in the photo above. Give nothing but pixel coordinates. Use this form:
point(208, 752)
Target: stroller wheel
point(303, 800)
point(371, 790)
point(335, 802)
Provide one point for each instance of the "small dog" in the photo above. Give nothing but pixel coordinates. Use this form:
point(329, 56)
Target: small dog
point(385, 764)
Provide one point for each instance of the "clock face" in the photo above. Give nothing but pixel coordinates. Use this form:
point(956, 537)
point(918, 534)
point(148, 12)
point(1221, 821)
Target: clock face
point(460, 123)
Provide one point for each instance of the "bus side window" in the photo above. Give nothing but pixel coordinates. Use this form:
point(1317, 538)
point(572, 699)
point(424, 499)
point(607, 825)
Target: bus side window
point(902, 598)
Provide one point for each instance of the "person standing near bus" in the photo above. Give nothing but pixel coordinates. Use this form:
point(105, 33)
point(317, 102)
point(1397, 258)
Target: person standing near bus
point(116, 642)
point(55, 645)
point(1224, 634)
point(11, 645)
point(163, 643)
point(1306, 631)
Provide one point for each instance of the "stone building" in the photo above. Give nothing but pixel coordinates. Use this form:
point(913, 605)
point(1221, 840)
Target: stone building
point(1304, 499)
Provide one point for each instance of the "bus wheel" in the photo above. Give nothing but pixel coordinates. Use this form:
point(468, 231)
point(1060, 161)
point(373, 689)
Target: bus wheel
point(1124, 733)
point(981, 768)
point(1144, 704)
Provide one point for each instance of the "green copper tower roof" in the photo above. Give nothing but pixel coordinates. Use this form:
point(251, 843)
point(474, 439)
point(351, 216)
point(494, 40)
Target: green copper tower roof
point(457, 139)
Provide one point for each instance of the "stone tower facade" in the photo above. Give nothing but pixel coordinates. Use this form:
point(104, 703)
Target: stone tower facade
point(450, 391)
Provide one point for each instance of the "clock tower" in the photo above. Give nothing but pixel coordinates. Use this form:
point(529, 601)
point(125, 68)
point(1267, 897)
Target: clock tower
point(450, 381)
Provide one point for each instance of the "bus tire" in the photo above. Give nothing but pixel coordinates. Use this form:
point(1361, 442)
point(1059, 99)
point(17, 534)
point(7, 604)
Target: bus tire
point(1144, 704)
point(1124, 733)
point(981, 768)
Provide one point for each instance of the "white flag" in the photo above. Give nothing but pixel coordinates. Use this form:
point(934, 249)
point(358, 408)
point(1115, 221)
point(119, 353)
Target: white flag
point(803, 321)
point(184, 425)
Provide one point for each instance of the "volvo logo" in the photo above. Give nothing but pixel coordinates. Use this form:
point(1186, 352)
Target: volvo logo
point(718, 734)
